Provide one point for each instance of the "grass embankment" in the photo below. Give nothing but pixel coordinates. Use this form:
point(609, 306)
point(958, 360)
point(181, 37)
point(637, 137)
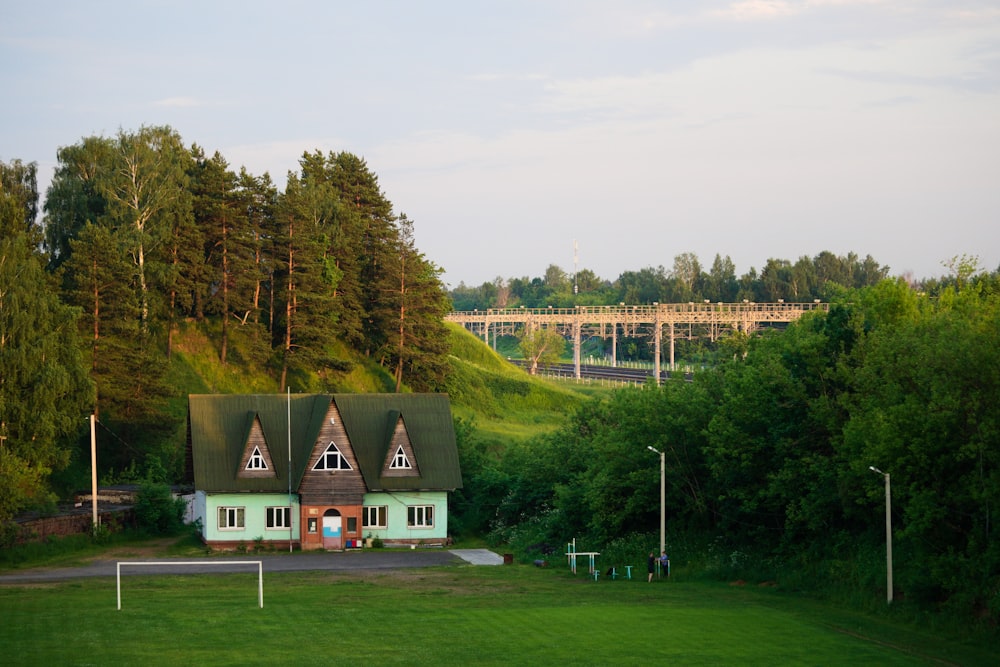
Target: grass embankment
point(505, 403)
point(505, 615)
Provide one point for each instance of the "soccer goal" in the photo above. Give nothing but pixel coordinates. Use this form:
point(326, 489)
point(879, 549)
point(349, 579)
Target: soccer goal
point(199, 563)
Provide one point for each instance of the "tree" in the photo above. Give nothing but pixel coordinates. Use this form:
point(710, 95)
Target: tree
point(721, 281)
point(686, 274)
point(775, 278)
point(540, 346)
point(306, 314)
point(923, 408)
point(417, 303)
point(215, 217)
point(252, 264)
point(962, 267)
point(19, 198)
point(645, 286)
point(44, 389)
point(146, 182)
point(73, 198)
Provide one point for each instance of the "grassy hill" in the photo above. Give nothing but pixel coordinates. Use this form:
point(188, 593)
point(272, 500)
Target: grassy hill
point(502, 401)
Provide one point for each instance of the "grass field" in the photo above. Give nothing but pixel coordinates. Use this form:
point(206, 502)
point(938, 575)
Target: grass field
point(460, 615)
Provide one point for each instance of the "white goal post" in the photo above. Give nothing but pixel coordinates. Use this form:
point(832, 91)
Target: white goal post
point(160, 563)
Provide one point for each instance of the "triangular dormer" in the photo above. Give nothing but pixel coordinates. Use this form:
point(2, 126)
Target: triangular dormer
point(256, 459)
point(400, 460)
point(333, 472)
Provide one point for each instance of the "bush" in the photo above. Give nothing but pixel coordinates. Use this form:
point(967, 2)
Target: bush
point(157, 511)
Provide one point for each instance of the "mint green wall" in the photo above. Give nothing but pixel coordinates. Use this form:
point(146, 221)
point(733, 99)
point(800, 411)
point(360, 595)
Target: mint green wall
point(207, 506)
point(396, 504)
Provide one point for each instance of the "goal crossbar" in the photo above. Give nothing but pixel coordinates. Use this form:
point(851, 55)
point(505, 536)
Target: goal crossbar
point(160, 563)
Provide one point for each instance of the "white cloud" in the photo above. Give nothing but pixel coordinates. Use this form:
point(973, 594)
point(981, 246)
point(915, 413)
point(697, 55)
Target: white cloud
point(180, 102)
point(756, 10)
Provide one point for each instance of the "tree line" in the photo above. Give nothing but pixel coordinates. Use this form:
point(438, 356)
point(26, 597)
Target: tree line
point(768, 456)
point(804, 280)
point(139, 232)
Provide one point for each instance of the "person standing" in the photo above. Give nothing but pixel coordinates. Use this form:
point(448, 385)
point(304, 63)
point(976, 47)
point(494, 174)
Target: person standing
point(651, 566)
point(665, 563)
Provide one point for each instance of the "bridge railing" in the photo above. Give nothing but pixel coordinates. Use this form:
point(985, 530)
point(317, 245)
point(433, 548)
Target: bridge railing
point(777, 311)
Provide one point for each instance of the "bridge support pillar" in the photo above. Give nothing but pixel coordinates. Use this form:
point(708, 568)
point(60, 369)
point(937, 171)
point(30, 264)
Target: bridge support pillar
point(576, 347)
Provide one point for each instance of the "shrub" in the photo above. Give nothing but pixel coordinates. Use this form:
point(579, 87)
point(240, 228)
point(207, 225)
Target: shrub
point(157, 511)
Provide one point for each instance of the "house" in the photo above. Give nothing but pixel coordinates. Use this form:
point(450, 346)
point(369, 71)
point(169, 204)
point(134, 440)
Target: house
point(321, 471)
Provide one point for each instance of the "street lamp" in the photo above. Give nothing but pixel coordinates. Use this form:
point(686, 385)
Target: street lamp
point(888, 535)
point(663, 498)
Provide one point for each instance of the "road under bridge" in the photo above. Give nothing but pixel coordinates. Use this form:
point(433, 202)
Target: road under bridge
point(678, 320)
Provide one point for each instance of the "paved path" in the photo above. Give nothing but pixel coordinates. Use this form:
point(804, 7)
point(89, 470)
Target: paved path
point(322, 561)
point(478, 556)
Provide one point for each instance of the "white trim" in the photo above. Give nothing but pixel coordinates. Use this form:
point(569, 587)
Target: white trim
point(256, 460)
point(400, 461)
point(344, 463)
point(241, 512)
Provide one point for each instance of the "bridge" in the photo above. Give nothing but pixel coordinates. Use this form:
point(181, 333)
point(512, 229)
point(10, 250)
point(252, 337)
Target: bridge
point(684, 320)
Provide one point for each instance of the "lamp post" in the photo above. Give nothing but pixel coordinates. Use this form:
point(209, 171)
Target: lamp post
point(663, 498)
point(888, 535)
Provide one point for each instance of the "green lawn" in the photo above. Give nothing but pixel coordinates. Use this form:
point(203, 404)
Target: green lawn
point(505, 615)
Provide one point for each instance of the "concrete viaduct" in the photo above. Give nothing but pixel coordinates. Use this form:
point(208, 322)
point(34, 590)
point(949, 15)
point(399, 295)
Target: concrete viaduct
point(685, 320)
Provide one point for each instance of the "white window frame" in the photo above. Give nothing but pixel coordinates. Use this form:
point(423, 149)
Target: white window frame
point(380, 513)
point(420, 516)
point(400, 461)
point(256, 460)
point(231, 517)
point(278, 517)
point(332, 451)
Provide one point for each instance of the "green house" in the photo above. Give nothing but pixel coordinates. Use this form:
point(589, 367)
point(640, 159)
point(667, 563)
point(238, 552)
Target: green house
point(321, 471)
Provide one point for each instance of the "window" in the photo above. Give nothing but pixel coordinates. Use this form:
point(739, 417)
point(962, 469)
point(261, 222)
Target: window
point(231, 518)
point(279, 517)
point(256, 461)
point(375, 516)
point(420, 516)
point(399, 461)
point(332, 459)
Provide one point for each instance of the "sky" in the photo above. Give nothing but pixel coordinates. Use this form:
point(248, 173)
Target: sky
point(603, 135)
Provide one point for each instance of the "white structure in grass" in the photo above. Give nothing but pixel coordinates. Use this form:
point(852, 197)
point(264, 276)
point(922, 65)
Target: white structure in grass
point(572, 553)
point(259, 564)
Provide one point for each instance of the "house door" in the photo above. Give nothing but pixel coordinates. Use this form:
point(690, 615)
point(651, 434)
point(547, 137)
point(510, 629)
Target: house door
point(333, 534)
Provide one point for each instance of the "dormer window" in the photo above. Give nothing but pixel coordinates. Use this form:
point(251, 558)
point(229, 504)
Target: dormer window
point(399, 460)
point(256, 460)
point(332, 459)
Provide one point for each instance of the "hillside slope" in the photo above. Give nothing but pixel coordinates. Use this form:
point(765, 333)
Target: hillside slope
point(502, 401)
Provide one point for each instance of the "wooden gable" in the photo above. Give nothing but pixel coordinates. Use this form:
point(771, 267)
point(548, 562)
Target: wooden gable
point(400, 449)
point(332, 486)
point(255, 448)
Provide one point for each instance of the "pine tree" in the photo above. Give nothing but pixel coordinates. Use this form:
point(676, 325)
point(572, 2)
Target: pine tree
point(215, 216)
point(411, 311)
point(252, 264)
point(72, 199)
point(306, 313)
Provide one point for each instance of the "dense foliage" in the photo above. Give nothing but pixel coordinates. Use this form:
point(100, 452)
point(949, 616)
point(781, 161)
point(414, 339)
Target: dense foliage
point(807, 279)
point(768, 455)
point(142, 235)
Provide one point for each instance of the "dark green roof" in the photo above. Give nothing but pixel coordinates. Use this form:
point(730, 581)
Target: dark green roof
point(219, 425)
